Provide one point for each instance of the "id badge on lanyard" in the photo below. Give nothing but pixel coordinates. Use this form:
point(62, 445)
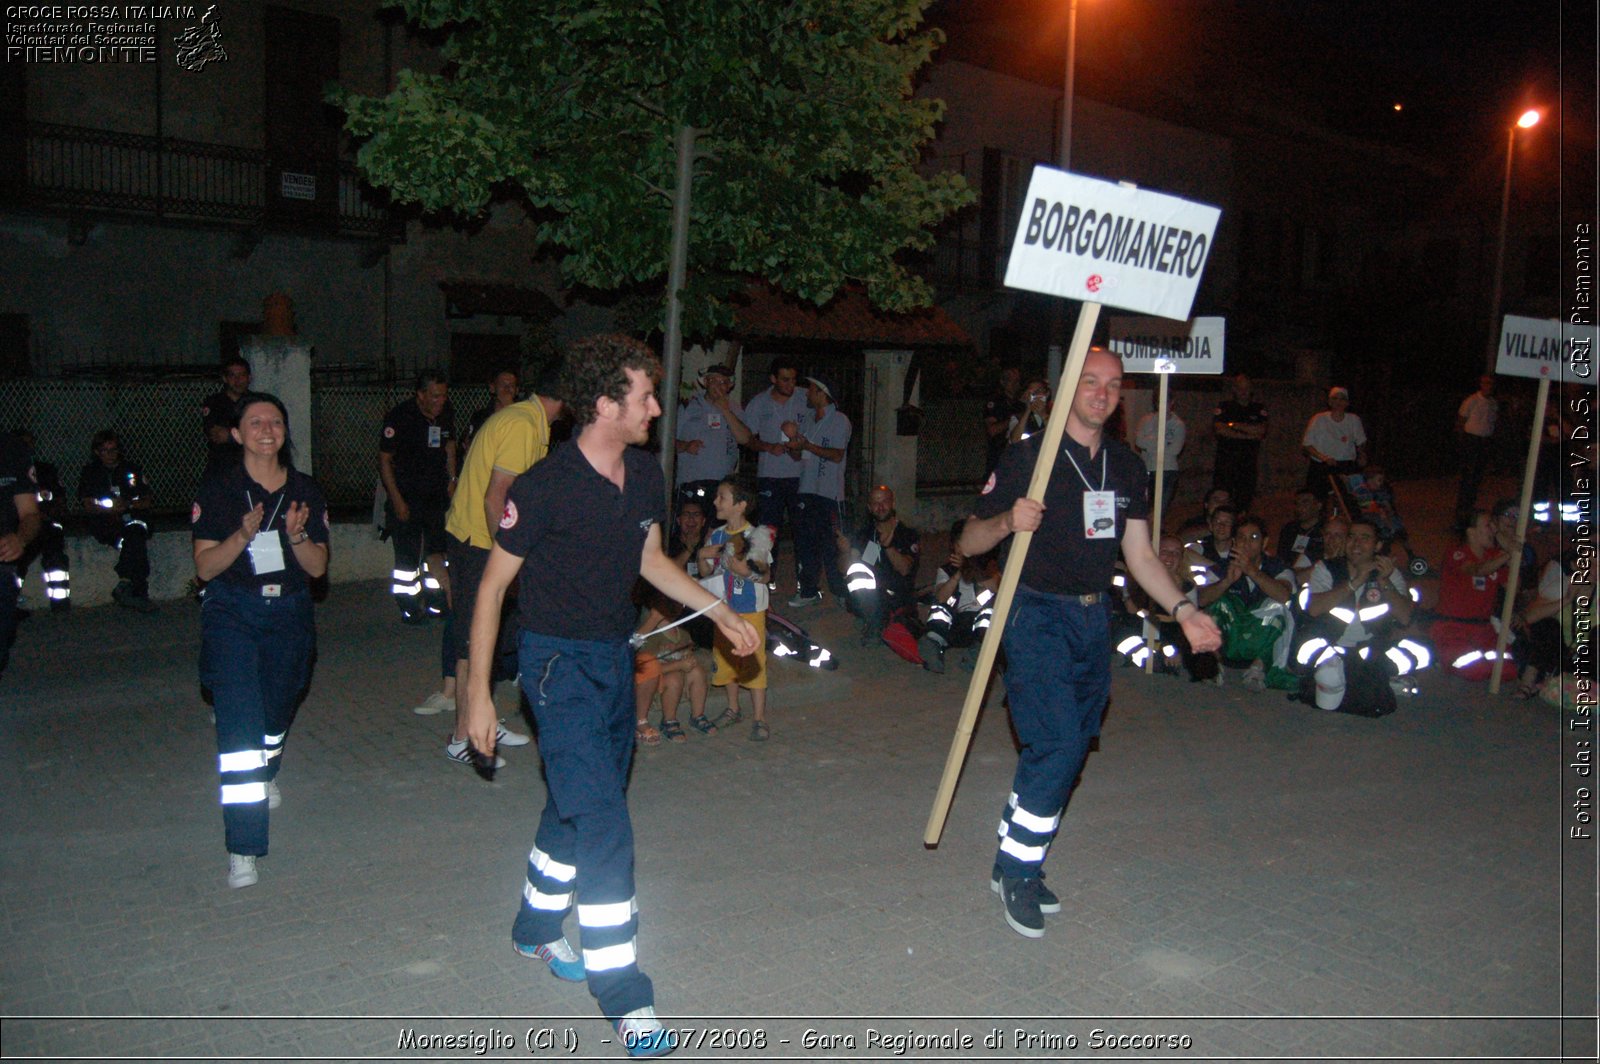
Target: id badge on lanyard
point(1099, 505)
point(266, 548)
point(1099, 515)
point(435, 435)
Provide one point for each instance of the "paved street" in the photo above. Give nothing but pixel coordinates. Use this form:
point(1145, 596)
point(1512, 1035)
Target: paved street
point(1245, 876)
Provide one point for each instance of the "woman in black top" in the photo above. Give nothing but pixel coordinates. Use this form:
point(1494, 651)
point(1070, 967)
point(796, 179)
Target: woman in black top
point(260, 533)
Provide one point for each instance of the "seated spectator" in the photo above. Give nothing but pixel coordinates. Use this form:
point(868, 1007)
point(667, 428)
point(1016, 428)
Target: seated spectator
point(115, 494)
point(667, 666)
point(688, 536)
point(880, 566)
point(1196, 526)
point(1545, 623)
point(1359, 599)
point(1299, 543)
point(1249, 599)
point(1153, 624)
point(1208, 554)
point(1469, 588)
point(962, 605)
point(50, 545)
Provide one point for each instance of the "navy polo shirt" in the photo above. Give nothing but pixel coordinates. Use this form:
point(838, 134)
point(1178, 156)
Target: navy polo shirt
point(16, 478)
point(581, 538)
point(227, 494)
point(1060, 560)
point(220, 411)
point(418, 448)
point(96, 481)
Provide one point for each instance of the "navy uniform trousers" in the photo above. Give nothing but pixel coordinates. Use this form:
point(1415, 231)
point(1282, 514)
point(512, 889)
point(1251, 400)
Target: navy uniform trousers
point(255, 656)
point(582, 697)
point(1058, 677)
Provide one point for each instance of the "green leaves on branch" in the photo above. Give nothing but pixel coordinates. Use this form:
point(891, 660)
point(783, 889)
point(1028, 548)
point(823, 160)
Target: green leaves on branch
point(808, 149)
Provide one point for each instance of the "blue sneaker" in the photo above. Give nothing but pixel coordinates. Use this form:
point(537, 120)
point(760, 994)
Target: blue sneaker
point(564, 962)
point(643, 1036)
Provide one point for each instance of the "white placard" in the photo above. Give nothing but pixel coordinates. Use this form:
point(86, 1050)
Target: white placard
point(1111, 244)
point(297, 186)
point(1544, 348)
point(1161, 345)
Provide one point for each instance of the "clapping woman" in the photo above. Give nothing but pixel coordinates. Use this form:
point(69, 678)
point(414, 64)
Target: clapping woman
point(260, 535)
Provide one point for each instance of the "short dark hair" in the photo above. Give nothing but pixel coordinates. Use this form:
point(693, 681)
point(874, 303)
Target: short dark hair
point(249, 399)
point(597, 367)
point(235, 360)
point(743, 492)
point(1367, 522)
point(783, 362)
point(1226, 508)
point(1244, 521)
point(430, 376)
point(103, 437)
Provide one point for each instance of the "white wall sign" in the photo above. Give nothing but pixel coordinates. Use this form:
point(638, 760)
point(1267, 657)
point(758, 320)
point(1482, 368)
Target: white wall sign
point(1111, 244)
point(1544, 348)
point(1160, 345)
point(297, 186)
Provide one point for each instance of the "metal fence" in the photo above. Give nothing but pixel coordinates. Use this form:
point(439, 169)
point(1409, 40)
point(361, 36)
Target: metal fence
point(952, 448)
point(159, 423)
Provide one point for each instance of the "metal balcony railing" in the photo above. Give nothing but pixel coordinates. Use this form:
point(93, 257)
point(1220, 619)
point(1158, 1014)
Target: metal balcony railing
point(73, 167)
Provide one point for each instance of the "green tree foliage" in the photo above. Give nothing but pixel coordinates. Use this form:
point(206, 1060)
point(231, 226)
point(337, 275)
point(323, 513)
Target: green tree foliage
point(806, 136)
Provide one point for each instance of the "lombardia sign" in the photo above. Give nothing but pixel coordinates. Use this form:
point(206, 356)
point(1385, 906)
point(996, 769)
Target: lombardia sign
point(1111, 244)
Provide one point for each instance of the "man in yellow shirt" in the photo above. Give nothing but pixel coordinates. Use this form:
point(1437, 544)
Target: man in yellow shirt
point(507, 445)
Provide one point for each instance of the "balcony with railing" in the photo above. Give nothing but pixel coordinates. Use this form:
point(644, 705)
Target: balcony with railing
point(73, 168)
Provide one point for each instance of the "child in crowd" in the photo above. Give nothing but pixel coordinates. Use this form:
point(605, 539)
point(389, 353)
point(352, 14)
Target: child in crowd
point(666, 665)
point(736, 563)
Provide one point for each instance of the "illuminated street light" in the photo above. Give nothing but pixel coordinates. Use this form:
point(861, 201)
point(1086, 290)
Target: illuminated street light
point(1066, 103)
point(1528, 120)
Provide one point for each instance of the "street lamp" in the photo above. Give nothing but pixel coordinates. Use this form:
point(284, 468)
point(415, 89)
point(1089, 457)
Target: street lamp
point(1528, 120)
point(1066, 103)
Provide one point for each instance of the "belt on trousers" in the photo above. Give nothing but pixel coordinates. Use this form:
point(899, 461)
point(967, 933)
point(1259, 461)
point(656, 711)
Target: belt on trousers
point(1093, 598)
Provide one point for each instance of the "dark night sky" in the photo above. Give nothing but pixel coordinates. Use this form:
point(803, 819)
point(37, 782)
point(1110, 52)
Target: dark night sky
point(1462, 70)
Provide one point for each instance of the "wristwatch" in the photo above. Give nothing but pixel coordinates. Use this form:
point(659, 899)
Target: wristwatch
point(295, 541)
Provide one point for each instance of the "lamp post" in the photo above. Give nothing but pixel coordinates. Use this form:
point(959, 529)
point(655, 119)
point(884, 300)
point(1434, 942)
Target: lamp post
point(1066, 103)
point(1058, 324)
point(1528, 120)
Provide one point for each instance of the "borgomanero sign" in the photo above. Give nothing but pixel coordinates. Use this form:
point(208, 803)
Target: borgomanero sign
point(1117, 245)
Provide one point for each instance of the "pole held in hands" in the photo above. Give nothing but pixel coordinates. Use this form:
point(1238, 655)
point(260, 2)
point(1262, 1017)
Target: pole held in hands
point(1066, 389)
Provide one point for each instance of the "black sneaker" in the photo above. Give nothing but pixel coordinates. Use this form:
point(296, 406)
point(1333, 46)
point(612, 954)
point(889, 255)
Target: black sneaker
point(1049, 904)
point(1021, 897)
point(932, 653)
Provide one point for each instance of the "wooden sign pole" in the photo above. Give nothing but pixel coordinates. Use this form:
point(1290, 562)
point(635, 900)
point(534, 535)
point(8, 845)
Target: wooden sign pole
point(1152, 641)
point(1509, 607)
point(1066, 389)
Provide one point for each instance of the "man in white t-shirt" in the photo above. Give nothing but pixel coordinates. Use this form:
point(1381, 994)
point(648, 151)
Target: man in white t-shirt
point(1335, 442)
point(1144, 441)
point(1476, 421)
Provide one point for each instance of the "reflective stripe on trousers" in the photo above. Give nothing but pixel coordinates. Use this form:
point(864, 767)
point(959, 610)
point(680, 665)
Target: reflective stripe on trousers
point(1057, 678)
point(255, 657)
point(581, 692)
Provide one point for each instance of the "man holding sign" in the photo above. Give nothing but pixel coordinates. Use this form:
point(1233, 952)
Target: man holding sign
point(1058, 651)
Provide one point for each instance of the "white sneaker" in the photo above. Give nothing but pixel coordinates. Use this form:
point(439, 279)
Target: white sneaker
point(274, 796)
point(435, 703)
point(241, 870)
point(462, 754)
point(643, 1036)
point(506, 737)
point(1255, 678)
